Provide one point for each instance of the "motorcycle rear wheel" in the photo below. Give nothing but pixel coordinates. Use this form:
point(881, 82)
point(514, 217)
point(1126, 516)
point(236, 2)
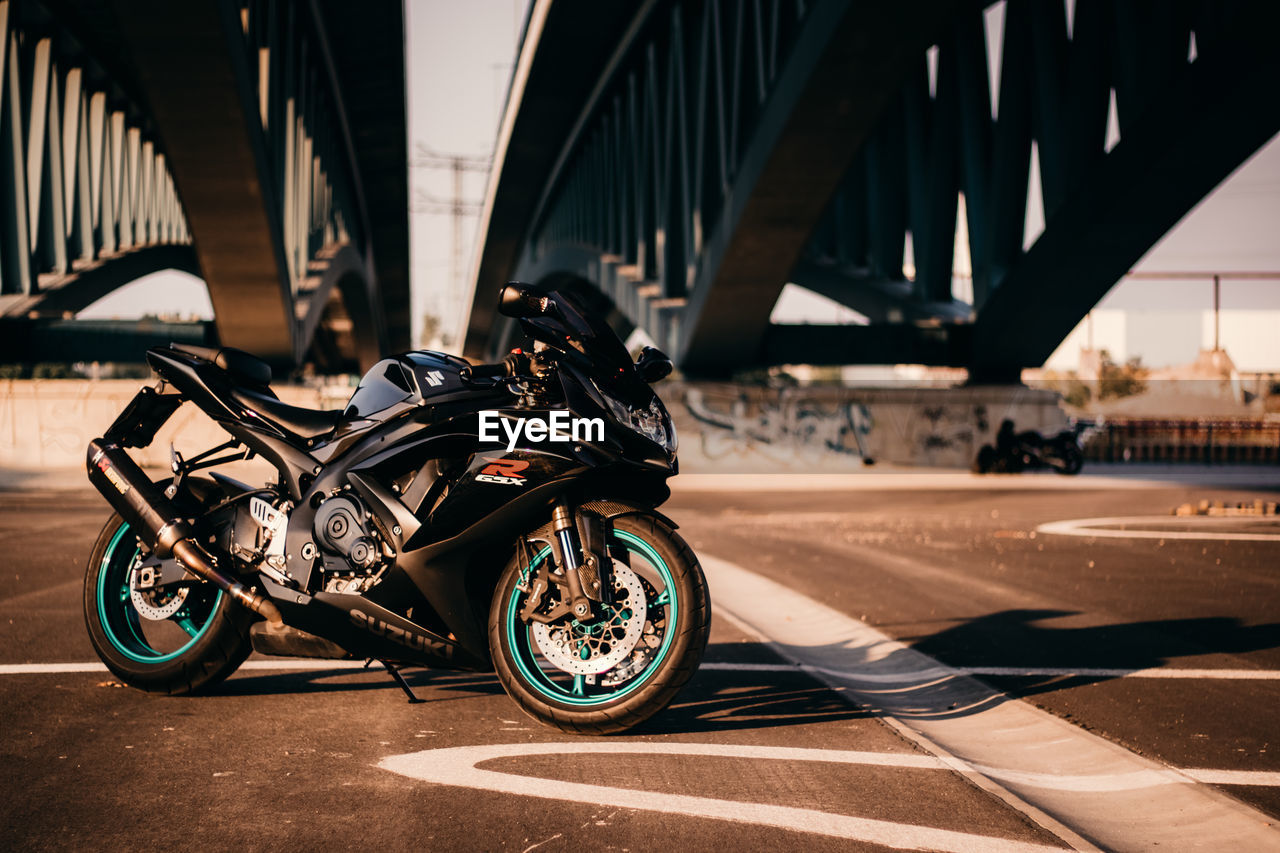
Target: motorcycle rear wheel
point(202, 642)
point(677, 622)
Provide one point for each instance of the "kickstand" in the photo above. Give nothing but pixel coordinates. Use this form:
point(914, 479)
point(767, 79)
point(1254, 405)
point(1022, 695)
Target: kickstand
point(404, 685)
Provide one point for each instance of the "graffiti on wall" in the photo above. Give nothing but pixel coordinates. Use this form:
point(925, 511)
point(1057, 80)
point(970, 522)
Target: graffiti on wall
point(783, 430)
point(831, 426)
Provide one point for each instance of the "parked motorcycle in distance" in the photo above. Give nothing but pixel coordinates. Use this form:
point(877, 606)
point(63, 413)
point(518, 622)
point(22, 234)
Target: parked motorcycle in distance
point(1015, 452)
point(475, 517)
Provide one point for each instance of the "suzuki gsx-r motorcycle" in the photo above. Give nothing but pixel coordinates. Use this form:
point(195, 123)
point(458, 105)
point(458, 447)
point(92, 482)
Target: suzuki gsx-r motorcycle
point(1015, 452)
point(409, 529)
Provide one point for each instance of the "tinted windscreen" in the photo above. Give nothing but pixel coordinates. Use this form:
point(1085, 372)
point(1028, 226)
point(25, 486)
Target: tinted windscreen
point(570, 328)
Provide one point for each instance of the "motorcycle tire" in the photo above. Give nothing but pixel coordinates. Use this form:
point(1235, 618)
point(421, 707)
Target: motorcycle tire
point(536, 664)
point(1072, 461)
point(152, 640)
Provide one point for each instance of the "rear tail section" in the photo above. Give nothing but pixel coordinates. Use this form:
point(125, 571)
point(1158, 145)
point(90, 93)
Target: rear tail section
point(150, 513)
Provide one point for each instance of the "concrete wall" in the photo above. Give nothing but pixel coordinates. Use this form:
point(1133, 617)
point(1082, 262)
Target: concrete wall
point(47, 424)
point(732, 428)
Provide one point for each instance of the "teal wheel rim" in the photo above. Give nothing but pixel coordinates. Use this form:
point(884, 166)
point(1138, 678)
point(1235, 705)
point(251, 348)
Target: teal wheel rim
point(559, 686)
point(120, 620)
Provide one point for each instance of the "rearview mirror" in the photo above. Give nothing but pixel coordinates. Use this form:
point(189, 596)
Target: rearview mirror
point(521, 300)
point(653, 364)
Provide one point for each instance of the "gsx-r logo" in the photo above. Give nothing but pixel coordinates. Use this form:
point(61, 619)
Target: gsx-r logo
point(505, 472)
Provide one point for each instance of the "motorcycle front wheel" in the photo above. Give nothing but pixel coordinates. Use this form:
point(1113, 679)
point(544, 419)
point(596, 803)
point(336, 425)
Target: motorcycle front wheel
point(155, 640)
point(612, 674)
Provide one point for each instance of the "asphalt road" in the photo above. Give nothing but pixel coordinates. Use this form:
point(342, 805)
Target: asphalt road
point(289, 759)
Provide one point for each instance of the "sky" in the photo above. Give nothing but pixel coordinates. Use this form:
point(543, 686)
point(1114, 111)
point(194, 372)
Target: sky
point(459, 60)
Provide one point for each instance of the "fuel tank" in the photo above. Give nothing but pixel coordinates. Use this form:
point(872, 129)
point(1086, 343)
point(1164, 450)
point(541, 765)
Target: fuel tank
point(406, 379)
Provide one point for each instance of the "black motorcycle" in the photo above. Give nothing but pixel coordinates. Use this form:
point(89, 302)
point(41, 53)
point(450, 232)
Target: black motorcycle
point(1015, 452)
point(462, 516)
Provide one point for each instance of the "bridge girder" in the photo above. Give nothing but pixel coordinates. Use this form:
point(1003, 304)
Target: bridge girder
point(726, 150)
point(1184, 128)
point(244, 104)
point(1184, 125)
point(84, 185)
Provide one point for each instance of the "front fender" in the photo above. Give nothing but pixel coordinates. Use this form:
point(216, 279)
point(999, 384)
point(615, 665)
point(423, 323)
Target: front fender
point(612, 508)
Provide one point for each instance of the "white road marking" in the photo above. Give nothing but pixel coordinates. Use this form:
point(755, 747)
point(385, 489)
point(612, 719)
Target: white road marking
point(939, 672)
point(915, 677)
point(1235, 777)
point(94, 666)
point(1104, 528)
point(1063, 776)
point(457, 766)
point(935, 479)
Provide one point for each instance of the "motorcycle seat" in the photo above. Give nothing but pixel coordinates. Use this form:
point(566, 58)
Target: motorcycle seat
point(302, 422)
point(238, 364)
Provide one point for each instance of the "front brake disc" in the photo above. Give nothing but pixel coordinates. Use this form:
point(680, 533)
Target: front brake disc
point(584, 648)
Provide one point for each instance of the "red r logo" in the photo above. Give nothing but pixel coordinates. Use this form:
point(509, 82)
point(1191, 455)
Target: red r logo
point(505, 468)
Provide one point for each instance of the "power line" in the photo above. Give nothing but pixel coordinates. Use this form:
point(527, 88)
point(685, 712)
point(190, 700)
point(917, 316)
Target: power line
point(457, 207)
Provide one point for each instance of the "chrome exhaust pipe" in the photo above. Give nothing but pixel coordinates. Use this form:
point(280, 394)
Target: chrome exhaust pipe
point(156, 521)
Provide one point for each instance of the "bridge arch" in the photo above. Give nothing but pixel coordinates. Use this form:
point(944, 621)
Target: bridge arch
point(721, 152)
point(234, 140)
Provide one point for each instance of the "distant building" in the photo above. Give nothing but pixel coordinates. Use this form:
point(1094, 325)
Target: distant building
point(1164, 338)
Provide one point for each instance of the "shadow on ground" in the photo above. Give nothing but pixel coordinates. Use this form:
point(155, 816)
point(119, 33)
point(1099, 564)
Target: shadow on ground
point(715, 700)
point(725, 700)
point(1020, 638)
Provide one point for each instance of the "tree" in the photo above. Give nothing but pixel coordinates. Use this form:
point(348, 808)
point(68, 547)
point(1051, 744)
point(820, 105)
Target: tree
point(1121, 380)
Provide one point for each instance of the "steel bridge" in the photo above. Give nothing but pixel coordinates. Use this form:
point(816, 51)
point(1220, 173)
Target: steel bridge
point(679, 161)
point(258, 145)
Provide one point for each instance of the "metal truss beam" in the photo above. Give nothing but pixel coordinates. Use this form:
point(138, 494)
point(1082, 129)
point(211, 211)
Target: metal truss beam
point(246, 102)
point(699, 163)
point(84, 184)
point(567, 48)
point(62, 296)
point(728, 148)
point(1185, 118)
point(820, 117)
point(880, 300)
point(1188, 126)
point(213, 137)
point(365, 52)
point(899, 343)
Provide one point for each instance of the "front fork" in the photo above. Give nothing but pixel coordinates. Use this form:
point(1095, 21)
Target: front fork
point(581, 549)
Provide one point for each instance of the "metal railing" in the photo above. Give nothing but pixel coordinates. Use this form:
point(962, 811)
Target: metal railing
point(1203, 441)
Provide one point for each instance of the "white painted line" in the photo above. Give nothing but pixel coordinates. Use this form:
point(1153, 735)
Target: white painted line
point(1056, 772)
point(939, 672)
point(49, 668)
point(889, 478)
point(1105, 528)
point(1149, 672)
point(870, 677)
point(457, 766)
point(94, 666)
point(1257, 778)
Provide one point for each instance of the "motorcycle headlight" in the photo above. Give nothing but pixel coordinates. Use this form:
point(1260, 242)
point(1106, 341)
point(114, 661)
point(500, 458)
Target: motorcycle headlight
point(652, 422)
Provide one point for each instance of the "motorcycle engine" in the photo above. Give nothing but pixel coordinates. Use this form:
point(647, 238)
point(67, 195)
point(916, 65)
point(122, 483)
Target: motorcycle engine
point(350, 546)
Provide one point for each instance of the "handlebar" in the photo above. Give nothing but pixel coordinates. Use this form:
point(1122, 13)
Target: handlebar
point(485, 371)
point(513, 365)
